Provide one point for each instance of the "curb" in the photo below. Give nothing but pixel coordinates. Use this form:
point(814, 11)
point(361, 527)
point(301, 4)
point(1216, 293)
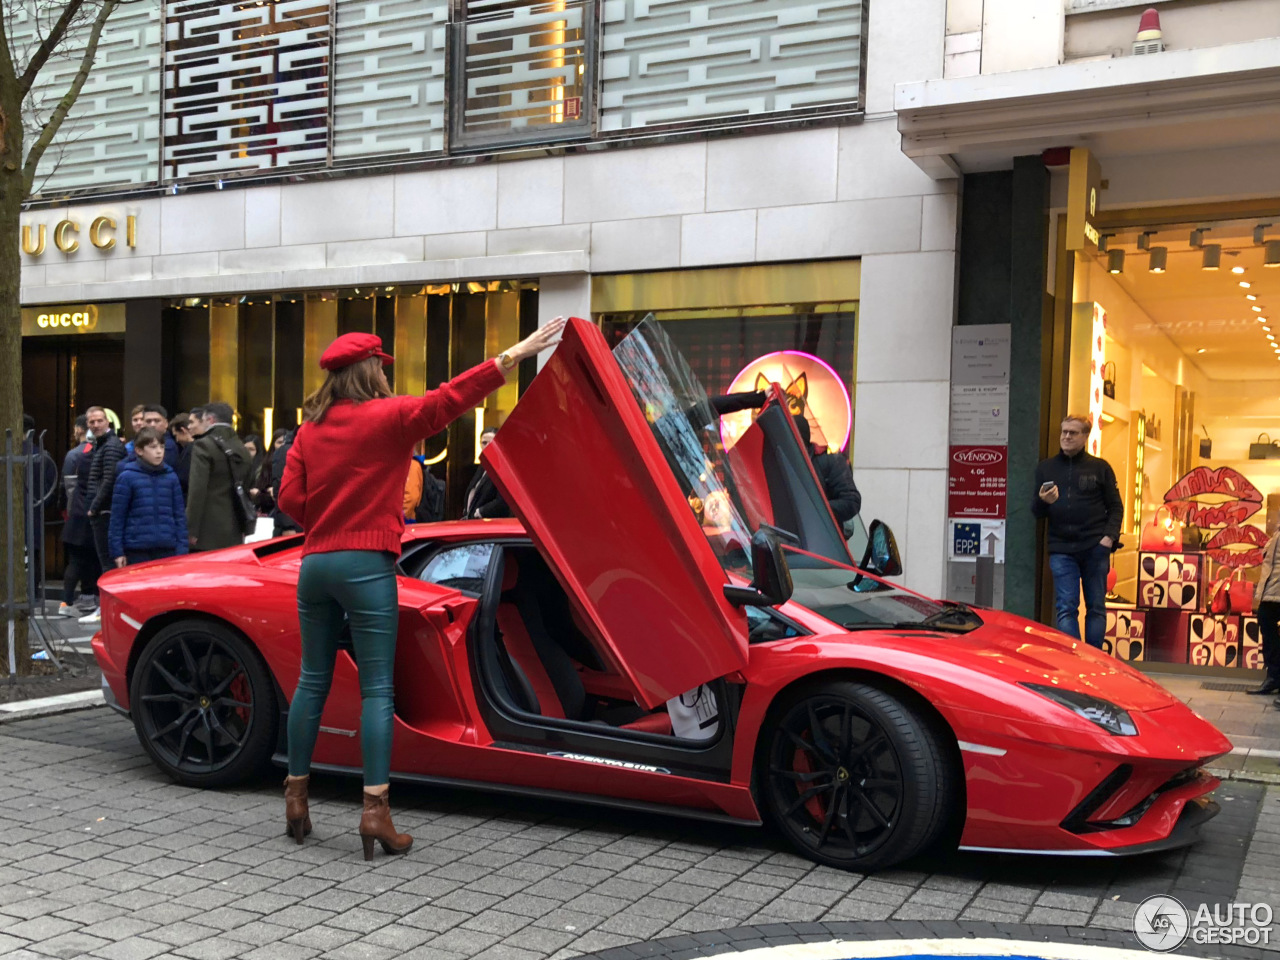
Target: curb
point(48, 706)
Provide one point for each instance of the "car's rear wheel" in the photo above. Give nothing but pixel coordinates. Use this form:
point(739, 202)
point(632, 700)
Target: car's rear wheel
point(203, 704)
point(854, 777)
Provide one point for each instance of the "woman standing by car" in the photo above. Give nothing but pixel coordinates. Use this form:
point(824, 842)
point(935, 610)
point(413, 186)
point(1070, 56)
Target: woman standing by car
point(344, 484)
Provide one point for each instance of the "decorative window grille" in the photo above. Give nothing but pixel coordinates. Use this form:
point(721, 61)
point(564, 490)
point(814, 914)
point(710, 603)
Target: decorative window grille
point(388, 81)
point(675, 61)
point(246, 84)
point(523, 71)
point(112, 135)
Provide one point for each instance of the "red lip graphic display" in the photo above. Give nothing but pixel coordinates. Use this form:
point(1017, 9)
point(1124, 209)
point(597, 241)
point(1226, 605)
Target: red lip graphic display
point(1237, 546)
point(1213, 498)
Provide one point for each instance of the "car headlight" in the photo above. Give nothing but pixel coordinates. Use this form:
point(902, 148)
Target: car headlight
point(1106, 715)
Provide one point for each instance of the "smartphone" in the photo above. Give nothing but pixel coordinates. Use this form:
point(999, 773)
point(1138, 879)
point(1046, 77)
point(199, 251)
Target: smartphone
point(1047, 486)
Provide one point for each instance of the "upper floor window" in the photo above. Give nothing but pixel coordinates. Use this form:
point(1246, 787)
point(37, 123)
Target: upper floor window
point(523, 71)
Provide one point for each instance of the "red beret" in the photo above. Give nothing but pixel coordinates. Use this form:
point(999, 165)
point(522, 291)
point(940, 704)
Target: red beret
point(352, 348)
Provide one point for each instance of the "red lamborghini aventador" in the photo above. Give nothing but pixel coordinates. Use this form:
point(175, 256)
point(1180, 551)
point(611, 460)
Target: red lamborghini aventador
point(673, 626)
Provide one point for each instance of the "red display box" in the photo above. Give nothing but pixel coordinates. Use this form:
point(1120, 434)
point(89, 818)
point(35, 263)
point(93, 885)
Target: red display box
point(1126, 636)
point(1250, 644)
point(1170, 581)
point(1213, 641)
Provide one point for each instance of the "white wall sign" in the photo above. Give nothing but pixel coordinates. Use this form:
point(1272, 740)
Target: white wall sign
point(979, 415)
point(980, 354)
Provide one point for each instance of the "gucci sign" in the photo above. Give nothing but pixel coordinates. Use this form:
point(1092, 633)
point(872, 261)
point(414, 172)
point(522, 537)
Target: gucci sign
point(73, 319)
point(66, 235)
point(81, 319)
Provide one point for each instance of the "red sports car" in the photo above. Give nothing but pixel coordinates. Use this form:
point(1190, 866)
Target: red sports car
point(673, 626)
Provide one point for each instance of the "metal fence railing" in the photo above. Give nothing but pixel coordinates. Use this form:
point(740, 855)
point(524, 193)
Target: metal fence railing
point(26, 462)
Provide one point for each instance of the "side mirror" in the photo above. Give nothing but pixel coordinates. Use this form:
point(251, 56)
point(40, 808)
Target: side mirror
point(882, 557)
point(770, 577)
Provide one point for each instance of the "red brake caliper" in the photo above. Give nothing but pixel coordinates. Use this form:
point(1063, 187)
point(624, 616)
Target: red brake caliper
point(817, 809)
point(240, 691)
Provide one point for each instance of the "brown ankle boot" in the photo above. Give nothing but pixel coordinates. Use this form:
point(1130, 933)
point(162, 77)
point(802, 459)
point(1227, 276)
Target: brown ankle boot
point(376, 824)
point(296, 815)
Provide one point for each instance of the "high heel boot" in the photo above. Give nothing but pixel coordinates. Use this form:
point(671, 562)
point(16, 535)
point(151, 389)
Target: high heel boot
point(296, 814)
point(375, 824)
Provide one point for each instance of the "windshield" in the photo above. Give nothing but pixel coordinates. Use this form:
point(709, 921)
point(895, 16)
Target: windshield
point(760, 474)
point(678, 411)
point(846, 597)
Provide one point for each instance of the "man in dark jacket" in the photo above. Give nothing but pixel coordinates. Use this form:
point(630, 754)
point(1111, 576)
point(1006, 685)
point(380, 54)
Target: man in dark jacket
point(279, 457)
point(1078, 495)
point(108, 451)
point(219, 461)
point(82, 559)
point(482, 500)
point(836, 476)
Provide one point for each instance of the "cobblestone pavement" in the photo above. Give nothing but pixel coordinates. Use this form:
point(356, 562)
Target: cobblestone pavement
point(105, 857)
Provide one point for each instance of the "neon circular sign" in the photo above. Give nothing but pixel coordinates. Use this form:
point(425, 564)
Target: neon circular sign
point(812, 387)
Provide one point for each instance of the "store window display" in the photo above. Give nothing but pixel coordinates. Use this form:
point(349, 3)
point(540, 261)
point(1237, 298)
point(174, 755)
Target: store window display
point(1181, 371)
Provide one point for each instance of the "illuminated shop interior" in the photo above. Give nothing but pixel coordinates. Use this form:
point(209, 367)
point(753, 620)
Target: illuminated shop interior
point(260, 351)
point(1175, 355)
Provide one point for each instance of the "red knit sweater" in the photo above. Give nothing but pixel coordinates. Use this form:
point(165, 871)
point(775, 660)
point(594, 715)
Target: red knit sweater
point(344, 478)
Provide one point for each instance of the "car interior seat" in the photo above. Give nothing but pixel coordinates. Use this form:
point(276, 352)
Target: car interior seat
point(537, 625)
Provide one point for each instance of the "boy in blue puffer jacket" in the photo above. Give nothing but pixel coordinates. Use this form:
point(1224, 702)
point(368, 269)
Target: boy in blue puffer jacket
point(148, 517)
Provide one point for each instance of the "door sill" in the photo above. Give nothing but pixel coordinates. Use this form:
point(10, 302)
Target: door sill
point(616, 803)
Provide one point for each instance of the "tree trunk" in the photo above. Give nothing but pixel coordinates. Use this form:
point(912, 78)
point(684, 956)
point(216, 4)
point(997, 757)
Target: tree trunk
point(12, 192)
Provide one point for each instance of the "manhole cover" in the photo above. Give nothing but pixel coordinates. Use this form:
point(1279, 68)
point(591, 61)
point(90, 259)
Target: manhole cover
point(1226, 686)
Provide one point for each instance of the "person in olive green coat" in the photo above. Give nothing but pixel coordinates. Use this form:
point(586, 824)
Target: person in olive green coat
point(212, 522)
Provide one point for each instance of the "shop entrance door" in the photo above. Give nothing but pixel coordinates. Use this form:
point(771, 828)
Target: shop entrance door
point(61, 376)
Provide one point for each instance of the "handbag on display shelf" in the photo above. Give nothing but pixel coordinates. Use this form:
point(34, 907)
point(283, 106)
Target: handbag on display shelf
point(1264, 448)
point(1163, 534)
point(1220, 597)
point(1192, 537)
point(1109, 381)
point(1241, 593)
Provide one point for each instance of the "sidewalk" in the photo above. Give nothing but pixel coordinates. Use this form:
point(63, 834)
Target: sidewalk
point(1251, 723)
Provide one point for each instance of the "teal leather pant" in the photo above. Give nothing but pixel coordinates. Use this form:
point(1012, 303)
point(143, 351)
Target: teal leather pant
point(361, 584)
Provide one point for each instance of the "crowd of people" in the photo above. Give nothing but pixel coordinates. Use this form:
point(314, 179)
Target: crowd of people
point(178, 485)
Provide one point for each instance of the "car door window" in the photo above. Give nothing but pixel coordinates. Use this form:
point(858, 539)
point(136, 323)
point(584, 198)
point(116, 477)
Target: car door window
point(764, 626)
point(459, 568)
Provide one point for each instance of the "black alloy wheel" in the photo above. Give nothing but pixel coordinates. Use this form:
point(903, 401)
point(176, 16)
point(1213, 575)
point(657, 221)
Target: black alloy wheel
point(203, 704)
point(855, 778)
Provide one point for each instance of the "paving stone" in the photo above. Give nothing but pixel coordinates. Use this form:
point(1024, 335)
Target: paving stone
point(465, 942)
point(132, 948)
point(182, 933)
point(68, 945)
point(41, 928)
point(399, 936)
point(360, 950)
point(214, 948)
point(322, 938)
point(437, 919)
point(259, 933)
point(360, 920)
point(281, 951)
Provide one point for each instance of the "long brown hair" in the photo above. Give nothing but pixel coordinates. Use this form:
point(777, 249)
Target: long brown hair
point(357, 382)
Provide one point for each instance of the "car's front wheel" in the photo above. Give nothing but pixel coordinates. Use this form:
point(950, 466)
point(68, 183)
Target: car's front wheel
point(854, 777)
point(203, 704)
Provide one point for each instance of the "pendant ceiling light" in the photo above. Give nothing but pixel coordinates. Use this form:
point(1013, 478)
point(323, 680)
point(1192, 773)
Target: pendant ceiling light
point(1115, 261)
point(1159, 260)
point(1271, 256)
point(1211, 259)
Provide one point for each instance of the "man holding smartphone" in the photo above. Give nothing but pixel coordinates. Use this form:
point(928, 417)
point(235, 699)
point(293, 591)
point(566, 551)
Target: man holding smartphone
point(1078, 495)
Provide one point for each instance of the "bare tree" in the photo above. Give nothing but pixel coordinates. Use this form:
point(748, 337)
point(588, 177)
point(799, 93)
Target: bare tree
point(66, 28)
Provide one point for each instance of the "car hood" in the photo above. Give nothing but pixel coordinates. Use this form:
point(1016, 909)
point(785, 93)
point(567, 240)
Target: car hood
point(1029, 652)
point(1011, 649)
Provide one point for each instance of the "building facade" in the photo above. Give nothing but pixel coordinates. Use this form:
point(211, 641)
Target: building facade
point(242, 181)
point(1121, 215)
